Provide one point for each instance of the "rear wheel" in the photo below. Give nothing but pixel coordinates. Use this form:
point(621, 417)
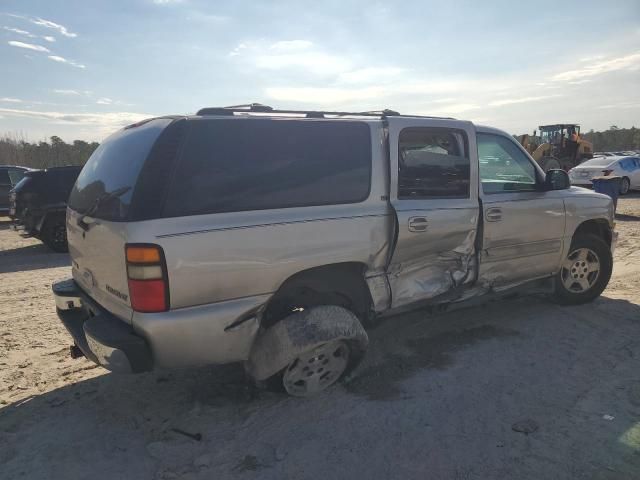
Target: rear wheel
point(313, 371)
point(308, 351)
point(585, 272)
point(54, 234)
point(550, 163)
point(625, 186)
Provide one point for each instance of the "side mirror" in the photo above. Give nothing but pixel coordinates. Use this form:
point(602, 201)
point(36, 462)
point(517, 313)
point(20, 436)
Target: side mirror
point(557, 180)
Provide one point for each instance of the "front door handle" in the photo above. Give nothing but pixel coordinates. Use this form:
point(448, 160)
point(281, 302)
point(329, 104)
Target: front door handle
point(493, 214)
point(418, 224)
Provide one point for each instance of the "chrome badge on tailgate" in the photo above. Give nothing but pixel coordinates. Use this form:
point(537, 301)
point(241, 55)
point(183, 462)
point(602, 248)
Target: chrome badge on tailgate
point(88, 278)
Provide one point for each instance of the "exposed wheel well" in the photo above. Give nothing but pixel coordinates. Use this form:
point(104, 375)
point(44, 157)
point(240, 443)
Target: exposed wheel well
point(341, 284)
point(598, 227)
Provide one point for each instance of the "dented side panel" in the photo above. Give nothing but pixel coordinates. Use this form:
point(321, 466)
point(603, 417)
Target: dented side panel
point(431, 263)
point(435, 245)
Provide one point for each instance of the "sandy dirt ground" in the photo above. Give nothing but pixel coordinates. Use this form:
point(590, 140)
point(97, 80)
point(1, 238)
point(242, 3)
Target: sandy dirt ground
point(438, 396)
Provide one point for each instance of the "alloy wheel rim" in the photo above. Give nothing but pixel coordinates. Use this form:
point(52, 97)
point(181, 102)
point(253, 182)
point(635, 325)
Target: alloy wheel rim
point(59, 235)
point(580, 270)
point(317, 369)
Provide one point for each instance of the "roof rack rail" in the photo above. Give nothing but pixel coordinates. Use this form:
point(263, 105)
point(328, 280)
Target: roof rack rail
point(260, 108)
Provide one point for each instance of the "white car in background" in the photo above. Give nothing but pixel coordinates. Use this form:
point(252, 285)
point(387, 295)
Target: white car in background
point(626, 167)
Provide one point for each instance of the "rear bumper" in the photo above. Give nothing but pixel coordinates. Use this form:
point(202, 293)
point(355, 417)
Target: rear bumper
point(102, 337)
point(202, 335)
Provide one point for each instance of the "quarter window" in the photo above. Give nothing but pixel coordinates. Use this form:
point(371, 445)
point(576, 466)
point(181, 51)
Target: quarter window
point(15, 175)
point(432, 163)
point(503, 166)
point(256, 164)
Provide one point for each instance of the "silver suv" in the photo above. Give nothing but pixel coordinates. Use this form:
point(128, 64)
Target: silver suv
point(274, 237)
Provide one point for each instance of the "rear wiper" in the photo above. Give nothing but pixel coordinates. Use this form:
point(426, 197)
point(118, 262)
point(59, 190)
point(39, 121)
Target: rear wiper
point(96, 204)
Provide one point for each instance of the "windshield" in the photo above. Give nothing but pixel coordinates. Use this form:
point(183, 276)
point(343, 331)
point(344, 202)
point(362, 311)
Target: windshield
point(114, 166)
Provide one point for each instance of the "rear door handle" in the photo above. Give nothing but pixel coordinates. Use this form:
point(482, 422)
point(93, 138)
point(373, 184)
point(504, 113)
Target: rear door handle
point(418, 224)
point(493, 214)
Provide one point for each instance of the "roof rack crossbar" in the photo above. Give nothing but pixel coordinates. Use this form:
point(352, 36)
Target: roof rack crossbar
point(259, 108)
point(266, 109)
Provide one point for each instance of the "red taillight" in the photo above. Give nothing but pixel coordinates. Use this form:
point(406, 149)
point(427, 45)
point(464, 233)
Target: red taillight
point(607, 172)
point(148, 295)
point(147, 275)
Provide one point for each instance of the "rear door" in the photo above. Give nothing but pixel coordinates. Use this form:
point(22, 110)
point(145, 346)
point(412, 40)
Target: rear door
point(5, 186)
point(635, 180)
point(434, 195)
point(99, 211)
point(523, 226)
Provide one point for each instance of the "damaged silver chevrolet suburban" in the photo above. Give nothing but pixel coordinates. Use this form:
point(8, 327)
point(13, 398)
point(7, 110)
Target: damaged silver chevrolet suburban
point(272, 237)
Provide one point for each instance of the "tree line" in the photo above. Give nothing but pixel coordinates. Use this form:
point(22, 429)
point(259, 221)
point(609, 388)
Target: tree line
point(56, 152)
point(15, 150)
point(614, 139)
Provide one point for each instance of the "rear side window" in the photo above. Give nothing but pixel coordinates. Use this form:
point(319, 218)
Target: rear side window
point(105, 185)
point(628, 164)
point(433, 163)
point(257, 164)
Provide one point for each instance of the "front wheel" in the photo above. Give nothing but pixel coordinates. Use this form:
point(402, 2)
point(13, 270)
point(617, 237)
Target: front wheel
point(585, 272)
point(550, 163)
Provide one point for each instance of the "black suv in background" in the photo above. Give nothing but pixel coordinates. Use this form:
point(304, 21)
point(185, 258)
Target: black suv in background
point(38, 205)
point(10, 175)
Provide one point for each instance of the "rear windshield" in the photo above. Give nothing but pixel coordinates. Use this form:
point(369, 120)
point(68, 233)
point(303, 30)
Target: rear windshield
point(597, 162)
point(105, 185)
point(257, 164)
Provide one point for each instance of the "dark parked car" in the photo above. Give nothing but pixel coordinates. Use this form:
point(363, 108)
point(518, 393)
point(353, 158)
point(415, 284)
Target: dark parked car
point(38, 205)
point(10, 175)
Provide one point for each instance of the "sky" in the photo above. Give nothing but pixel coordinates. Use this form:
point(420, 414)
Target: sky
point(83, 69)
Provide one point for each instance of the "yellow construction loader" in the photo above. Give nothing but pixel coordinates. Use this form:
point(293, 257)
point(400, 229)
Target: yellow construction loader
point(557, 146)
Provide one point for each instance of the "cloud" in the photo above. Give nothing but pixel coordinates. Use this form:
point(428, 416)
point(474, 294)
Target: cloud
point(10, 100)
point(106, 122)
point(104, 101)
point(444, 100)
point(512, 101)
point(29, 46)
point(626, 62)
point(49, 38)
point(62, 30)
point(315, 62)
point(370, 74)
point(617, 106)
point(323, 95)
point(288, 45)
point(20, 32)
point(291, 54)
point(59, 59)
point(63, 91)
point(456, 108)
point(166, 2)
point(236, 51)
point(591, 58)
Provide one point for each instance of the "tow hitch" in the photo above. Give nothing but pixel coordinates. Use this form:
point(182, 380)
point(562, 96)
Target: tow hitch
point(75, 352)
